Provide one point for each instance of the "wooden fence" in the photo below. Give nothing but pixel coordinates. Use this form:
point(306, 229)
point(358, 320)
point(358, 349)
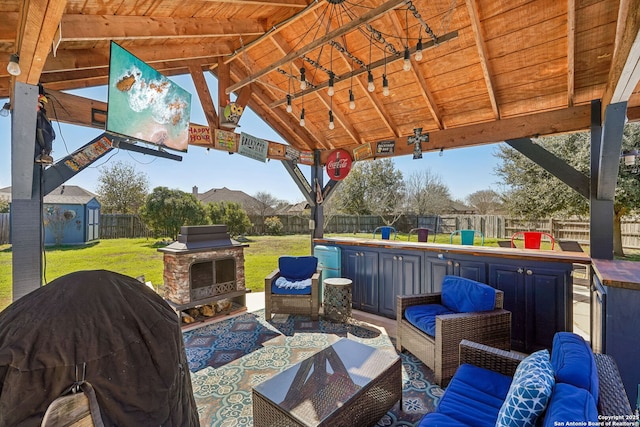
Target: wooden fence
point(113, 226)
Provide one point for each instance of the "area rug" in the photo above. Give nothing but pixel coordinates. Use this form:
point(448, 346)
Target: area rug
point(222, 377)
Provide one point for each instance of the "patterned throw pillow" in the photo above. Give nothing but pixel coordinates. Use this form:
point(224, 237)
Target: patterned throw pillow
point(529, 393)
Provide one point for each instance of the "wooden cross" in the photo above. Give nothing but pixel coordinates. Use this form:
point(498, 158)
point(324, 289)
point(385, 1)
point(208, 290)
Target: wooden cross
point(417, 138)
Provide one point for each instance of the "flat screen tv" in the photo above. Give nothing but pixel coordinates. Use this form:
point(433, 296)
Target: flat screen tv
point(144, 105)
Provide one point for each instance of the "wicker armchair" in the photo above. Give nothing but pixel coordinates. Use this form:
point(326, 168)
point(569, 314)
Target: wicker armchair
point(440, 353)
point(294, 302)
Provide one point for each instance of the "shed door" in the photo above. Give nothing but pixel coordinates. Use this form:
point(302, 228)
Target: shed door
point(93, 224)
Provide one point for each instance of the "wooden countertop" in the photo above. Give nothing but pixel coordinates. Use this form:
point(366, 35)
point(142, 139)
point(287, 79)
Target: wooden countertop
point(481, 251)
point(618, 273)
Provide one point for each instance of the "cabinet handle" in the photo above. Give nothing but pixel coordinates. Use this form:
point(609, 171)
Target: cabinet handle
point(400, 258)
point(449, 262)
point(529, 272)
point(395, 257)
point(457, 264)
point(520, 270)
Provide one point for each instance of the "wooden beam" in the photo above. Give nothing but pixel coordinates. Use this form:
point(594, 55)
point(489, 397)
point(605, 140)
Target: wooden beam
point(224, 80)
point(365, 17)
point(624, 73)
point(204, 94)
point(78, 27)
point(275, 3)
point(74, 109)
point(472, 8)
point(35, 35)
point(547, 123)
point(571, 51)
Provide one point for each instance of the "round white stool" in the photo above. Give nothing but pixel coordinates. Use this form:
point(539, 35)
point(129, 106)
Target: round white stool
point(337, 298)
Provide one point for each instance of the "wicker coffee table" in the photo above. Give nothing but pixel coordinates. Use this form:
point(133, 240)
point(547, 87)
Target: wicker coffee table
point(346, 384)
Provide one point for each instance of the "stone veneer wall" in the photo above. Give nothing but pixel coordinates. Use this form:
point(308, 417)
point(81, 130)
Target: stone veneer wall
point(177, 288)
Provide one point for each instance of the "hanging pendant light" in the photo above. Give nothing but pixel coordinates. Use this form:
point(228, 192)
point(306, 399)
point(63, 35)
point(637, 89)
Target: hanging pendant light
point(352, 100)
point(385, 85)
point(331, 89)
point(303, 79)
point(302, 117)
point(419, 50)
point(370, 86)
point(13, 67)
point(406, 66)
point(289, 107)
point(331, 123)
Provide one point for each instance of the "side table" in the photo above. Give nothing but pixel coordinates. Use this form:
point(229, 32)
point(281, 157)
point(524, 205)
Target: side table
point(337, 298)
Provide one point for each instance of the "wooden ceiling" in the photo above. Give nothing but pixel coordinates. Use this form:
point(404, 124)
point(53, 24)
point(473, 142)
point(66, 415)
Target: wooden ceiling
point(491, 69)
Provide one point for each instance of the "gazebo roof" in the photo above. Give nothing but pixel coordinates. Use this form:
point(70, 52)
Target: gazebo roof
point(491, 70)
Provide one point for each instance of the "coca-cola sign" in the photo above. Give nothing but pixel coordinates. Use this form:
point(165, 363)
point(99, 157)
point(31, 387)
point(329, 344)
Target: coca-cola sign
point(338, 164)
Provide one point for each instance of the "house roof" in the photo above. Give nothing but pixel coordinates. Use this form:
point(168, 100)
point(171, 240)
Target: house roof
point(223, 194)
point(63, 195)
point(491, 70)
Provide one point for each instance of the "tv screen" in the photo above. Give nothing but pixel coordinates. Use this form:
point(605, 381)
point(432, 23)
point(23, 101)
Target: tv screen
point(144, 105)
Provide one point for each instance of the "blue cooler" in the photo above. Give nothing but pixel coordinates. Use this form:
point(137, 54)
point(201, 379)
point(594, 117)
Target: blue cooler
point(329, 262)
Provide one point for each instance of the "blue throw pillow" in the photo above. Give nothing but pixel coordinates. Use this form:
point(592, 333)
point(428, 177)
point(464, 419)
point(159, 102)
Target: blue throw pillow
point(423, 316)
point(573, 362)
point(297, 268)
point(465, 295)
point(529, 393)
point(571, 403)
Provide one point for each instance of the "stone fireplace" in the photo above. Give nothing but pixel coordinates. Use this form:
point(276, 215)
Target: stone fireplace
point(204, 266)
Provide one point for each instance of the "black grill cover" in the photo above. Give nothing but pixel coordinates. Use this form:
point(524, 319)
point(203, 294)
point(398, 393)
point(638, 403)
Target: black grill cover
point(127, 335)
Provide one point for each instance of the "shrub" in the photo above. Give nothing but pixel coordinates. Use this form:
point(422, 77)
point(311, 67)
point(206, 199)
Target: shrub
point(273, 225)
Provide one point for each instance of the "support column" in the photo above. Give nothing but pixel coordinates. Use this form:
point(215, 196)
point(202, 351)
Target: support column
point(317, 211)
point(27, 233)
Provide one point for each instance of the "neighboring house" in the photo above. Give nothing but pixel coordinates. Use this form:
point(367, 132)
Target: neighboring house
point(297, 209)
point(457, 208)
point(215, 195)
point(71, 215)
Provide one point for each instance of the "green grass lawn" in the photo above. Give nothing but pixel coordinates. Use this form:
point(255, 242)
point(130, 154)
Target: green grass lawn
point(135, 257)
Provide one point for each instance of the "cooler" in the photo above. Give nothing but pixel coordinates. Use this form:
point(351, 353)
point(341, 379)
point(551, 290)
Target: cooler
point(329, 262)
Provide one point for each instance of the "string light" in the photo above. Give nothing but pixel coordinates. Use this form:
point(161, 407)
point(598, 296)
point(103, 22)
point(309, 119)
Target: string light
point(385, 85)
point(303, 79)
point(419, 50)
point(331, 123)
point(370, 86)
point(289, 107)
point(13, 67)
point(302, 117)
point(331, 90)
point(406, 66)
point(352, 100)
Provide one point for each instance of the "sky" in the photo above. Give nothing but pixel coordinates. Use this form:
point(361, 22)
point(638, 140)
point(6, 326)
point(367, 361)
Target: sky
point(463, 170)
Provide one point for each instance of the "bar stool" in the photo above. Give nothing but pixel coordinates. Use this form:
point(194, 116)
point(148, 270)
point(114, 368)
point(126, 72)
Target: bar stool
point(337, 298)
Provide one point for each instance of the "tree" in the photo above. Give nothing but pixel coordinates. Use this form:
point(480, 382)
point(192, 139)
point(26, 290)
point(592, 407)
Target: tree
point(534, 193)
point(485, 201)
point(231, 214)
point(4, 205)
point(372, 188)
point(426, 193)
point(264, 205)
point(121, 189)
point(165, 211)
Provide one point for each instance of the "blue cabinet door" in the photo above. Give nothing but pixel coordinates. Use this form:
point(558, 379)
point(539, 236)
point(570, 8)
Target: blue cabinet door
point(362, 268)
point(399, 275)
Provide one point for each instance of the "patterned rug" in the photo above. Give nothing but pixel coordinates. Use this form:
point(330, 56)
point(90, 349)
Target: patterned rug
point(227, 358)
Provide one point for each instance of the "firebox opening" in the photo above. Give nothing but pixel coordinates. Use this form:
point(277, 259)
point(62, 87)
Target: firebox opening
point(212, 277)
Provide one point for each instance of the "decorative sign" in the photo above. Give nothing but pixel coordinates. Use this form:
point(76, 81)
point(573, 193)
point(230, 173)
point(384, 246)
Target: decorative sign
point(231, 114)
point(362, 152)
point(276, 150)
point(302, 179)
point(292, 154)
point(87, 154)
point(306, 158)
point(417, 138)
point(338, 164)
point(253, 147)
point(199, 135)
point(385, 148)
point(225, 140)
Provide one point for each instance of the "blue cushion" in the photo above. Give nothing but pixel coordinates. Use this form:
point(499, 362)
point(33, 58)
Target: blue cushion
point(289, 291)
point(570, 403)
point(297, 268)
point(474, 396)
point(437, 419)
point(529, 393)
point(465, 295)
point(573, 362)
point(423, 316)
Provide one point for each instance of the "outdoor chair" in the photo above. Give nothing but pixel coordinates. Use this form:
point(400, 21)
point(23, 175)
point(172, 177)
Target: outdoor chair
point(532, 239)
point(385, 232)
point(467, 237)
point(293, 288)
point(431, 326)
point(423, 234)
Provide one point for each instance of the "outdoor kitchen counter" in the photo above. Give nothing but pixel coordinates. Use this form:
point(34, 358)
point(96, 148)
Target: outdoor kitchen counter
point(538, 284)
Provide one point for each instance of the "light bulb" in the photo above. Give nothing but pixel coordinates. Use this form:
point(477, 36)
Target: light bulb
point(302, 118)
point(419, 50)
point(303, 79)
point(331, 90)
point(385, 85)
point(370, 86)
point(406, 66)
point(331, 124)
point(289, 108)
point(352, 100)
point(13, 67)
point(6, 109)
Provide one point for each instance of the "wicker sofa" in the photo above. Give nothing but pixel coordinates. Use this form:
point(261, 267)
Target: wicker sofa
point(439, 351)
point(586, 388)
